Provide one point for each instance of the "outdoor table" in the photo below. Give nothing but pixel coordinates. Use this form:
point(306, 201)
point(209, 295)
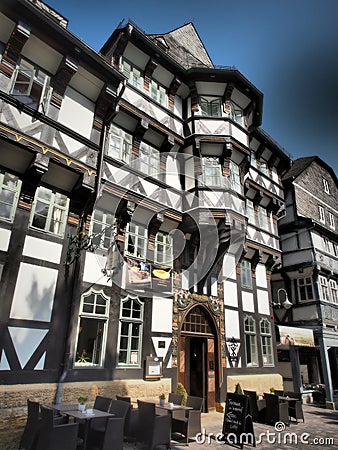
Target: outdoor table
point(63, 407)
point(85, 416)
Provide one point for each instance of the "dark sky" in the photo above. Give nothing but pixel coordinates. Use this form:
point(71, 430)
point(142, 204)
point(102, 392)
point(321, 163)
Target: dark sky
point(287, 48)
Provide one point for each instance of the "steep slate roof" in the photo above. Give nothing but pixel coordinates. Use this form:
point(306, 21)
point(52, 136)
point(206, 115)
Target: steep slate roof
point(300, 164)
point(184, 45)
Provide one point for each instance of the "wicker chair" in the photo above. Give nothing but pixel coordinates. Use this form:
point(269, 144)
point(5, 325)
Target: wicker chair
point(295, 407)
point(276, 411)
point(153, 430)
point(56, 437)
point(176, 399)
point(189, 423)
point(30, 434)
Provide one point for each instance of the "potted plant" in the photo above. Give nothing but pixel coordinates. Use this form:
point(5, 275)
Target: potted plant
point(238, 389)
point(82, 403)
point(180, 389)
point(162, 399)
point(272, 390)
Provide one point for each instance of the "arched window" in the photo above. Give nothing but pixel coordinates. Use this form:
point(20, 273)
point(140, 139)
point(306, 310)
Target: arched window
point(92, 329)
point(266, 342)
point(130, 332)
point(250, 342)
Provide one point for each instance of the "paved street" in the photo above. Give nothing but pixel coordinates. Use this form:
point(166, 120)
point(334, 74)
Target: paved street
point(319, 426)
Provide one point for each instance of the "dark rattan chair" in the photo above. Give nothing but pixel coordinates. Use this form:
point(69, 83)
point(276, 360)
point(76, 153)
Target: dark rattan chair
point(252, 405)
point(176, 399)
point(276, 411)
point(56, 437)
point(189, 423)
point(30, 434)
point(102, 403)
point(153, 430)
point(295, 407)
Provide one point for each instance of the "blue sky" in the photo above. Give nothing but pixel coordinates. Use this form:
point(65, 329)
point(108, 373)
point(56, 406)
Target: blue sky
point(287, 48)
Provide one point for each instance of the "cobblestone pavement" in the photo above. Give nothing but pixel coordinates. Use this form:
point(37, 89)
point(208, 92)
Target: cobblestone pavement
point(319, 430)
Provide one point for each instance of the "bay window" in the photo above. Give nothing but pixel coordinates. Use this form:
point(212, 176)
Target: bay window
point(163, 249)
point(149, 160)
point(133, 74)
point(103, 229)
point(158, 93)
point(263, 218)
point(250, 212)
point(210, 106)
point(235, 179)
point(212, 172)
point(324, 288)
point(136, 241)
point(120, 144)
point(10, 187)
point(305, 289)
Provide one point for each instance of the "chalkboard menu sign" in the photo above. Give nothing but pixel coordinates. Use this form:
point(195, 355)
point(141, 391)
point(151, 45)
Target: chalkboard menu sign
point(237, 424)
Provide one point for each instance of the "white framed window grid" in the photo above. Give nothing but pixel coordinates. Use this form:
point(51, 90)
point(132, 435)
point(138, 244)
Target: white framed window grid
point(163, 253)
point(266, 342)
point(119, 145)
point(332, 221)
point(251, 353)
point(212, 172)
point(158, 93)
point(10, 187)
point(324, 288)
point(102, 223)
point(49, 211)
point(136, 241)
point(92, 329)
point(263, 218)
point(321, 212)
point(133, 74)
point(31, 86)
point(246, 274)
point(235, 179)
point(326, 185)
point(210, 106)
point(149, 160)
point(334, 291)
point(130, 332)
point(250, 211)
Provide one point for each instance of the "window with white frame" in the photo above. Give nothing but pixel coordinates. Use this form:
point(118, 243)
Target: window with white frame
point(130, 332)
point(120, 144)
point(305, 288)
point(266, 342)
point(324, 288)
point(250, 211)
point(92, 329)
point(31, 86)
point(251, 354)
point(334, 292)
point(327, 244)
point(10, 187)
point(263, 218)
point(102, 228)
point(212, 171)
point(263, 167)
point(332, 221)
point(236, 113)
point(235, 179)
point(49, 211)
point(246, 274)
point(210, 106)
point(136, 241)
point(158, 93)
point(163, 253)
point(326, 186)
point(149, 160)
point(321, 212)
point(133, 74)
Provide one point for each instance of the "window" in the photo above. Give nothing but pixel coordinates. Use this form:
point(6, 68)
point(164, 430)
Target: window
point(92, 329)
point(263, 166)
point(235, 179)
point(49, 211)
point(212, 173)
point(210, 106)
point(266, 342)
point(136, 239)
point(321, 214)
point(149, 160)
point(250, 342)
point(332, 221)
point(163, 249)
point(31, 86)
point(120, 144)
point(326, 186)
point(133, 75)
point(102, 223)
point(263, 218)
point(250, 211)
point(10, 187)
point(246, 275)
point(334, 292)
point(305, 289)
point(234, 112)
point(130, 332)
point(324, 288)
point(158, 93)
